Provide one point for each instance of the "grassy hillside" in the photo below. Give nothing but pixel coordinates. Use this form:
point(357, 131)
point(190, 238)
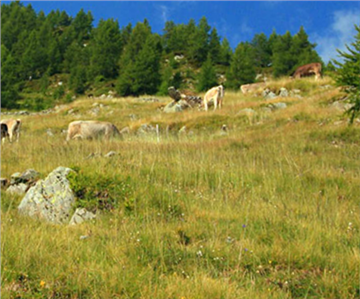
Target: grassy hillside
point(269, 209)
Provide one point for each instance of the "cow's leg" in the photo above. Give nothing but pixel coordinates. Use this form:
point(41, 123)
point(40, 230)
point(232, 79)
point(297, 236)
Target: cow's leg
point(215, 103)
point(205, 105)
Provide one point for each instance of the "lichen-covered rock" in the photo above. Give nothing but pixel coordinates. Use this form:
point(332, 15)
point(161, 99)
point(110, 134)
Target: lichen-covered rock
point(50, 199)
point(27, 176)
point(176, 106)
point(80, 216)
point(276, 106)
point(283, 92)
point(17, 189)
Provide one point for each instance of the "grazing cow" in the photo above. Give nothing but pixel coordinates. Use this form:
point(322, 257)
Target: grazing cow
point(91, 129)
point(13, 128)
point(308, 70)
point(248, 88)
point(215, 94)
point(4, 132)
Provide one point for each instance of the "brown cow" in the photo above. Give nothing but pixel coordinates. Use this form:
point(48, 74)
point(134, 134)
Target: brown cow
point(216, 95)
point(91, 129)
point(308, 70)
point(13, 127)
point(4, 132)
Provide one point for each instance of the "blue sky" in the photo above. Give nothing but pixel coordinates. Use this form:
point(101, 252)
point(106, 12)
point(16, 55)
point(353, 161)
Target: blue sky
point(330, 24)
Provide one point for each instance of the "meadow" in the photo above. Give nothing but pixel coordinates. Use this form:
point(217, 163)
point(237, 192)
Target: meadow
point(267, 209)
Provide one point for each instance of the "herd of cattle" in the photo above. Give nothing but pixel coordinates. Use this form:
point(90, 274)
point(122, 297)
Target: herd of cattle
point(90, 129)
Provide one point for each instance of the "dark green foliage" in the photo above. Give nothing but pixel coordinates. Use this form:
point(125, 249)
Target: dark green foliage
point(168, 79)
point(303, 50)
point(225, 52)
point(100, 193)
point(214, 46)
point(348, 74)
point(106, 49)
point(290, 52)
point(39, 47)
point(242, 67)
point(283, 61)
point(9, 91)
point(262, 49)
point(38, 103)
point(207, 77)
point(330, 67)
point(44, 83)
point(140, 63)
point(78, 79)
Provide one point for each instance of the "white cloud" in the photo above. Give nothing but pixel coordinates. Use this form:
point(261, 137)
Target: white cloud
point(341, 32)
point(164, 13)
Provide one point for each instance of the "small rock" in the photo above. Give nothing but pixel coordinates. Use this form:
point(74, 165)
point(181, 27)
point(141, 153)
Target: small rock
point(95, 111)
point(276, 106)
point(146, 129)
point(283, 92)
point(110, 154)
point(80, 216)
point(15, 178)
point(49, 133)
point(17, 189)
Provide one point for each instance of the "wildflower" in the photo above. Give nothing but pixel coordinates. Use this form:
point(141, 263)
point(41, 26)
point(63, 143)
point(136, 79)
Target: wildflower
point(199, 253)
point(270, 262)
point(42, 284)
point(244, 225)
point(245, 249)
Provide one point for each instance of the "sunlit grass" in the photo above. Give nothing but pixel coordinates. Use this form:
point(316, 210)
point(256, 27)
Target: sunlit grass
point(268, 210)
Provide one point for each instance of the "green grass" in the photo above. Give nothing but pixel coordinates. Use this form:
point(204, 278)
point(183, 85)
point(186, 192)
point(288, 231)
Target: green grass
point(262, 212)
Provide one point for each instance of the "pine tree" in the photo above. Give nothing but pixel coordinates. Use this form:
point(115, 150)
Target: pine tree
point(34, 59)
point(146, 72)
point(348, 74)
point(302, 50)
point(140, 63)
point(214, 46)
point(106, 49)
point(200, 42)
point(225, 52)
point(283, 61)
point(242, 67)
point(9, 90)
point(207, 76)
point(262, 50)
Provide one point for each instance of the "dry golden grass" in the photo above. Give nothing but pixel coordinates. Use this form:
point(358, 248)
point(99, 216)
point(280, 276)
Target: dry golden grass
point(263, 211)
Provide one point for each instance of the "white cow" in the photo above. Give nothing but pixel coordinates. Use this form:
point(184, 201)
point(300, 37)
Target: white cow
point(91, 129)
point(13, 128)
point(215, 94)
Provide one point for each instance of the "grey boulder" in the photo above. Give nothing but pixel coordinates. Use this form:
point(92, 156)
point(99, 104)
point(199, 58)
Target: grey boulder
point(50, 199)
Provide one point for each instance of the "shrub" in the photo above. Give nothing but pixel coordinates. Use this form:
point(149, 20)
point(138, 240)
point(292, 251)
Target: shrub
point(98, 192)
